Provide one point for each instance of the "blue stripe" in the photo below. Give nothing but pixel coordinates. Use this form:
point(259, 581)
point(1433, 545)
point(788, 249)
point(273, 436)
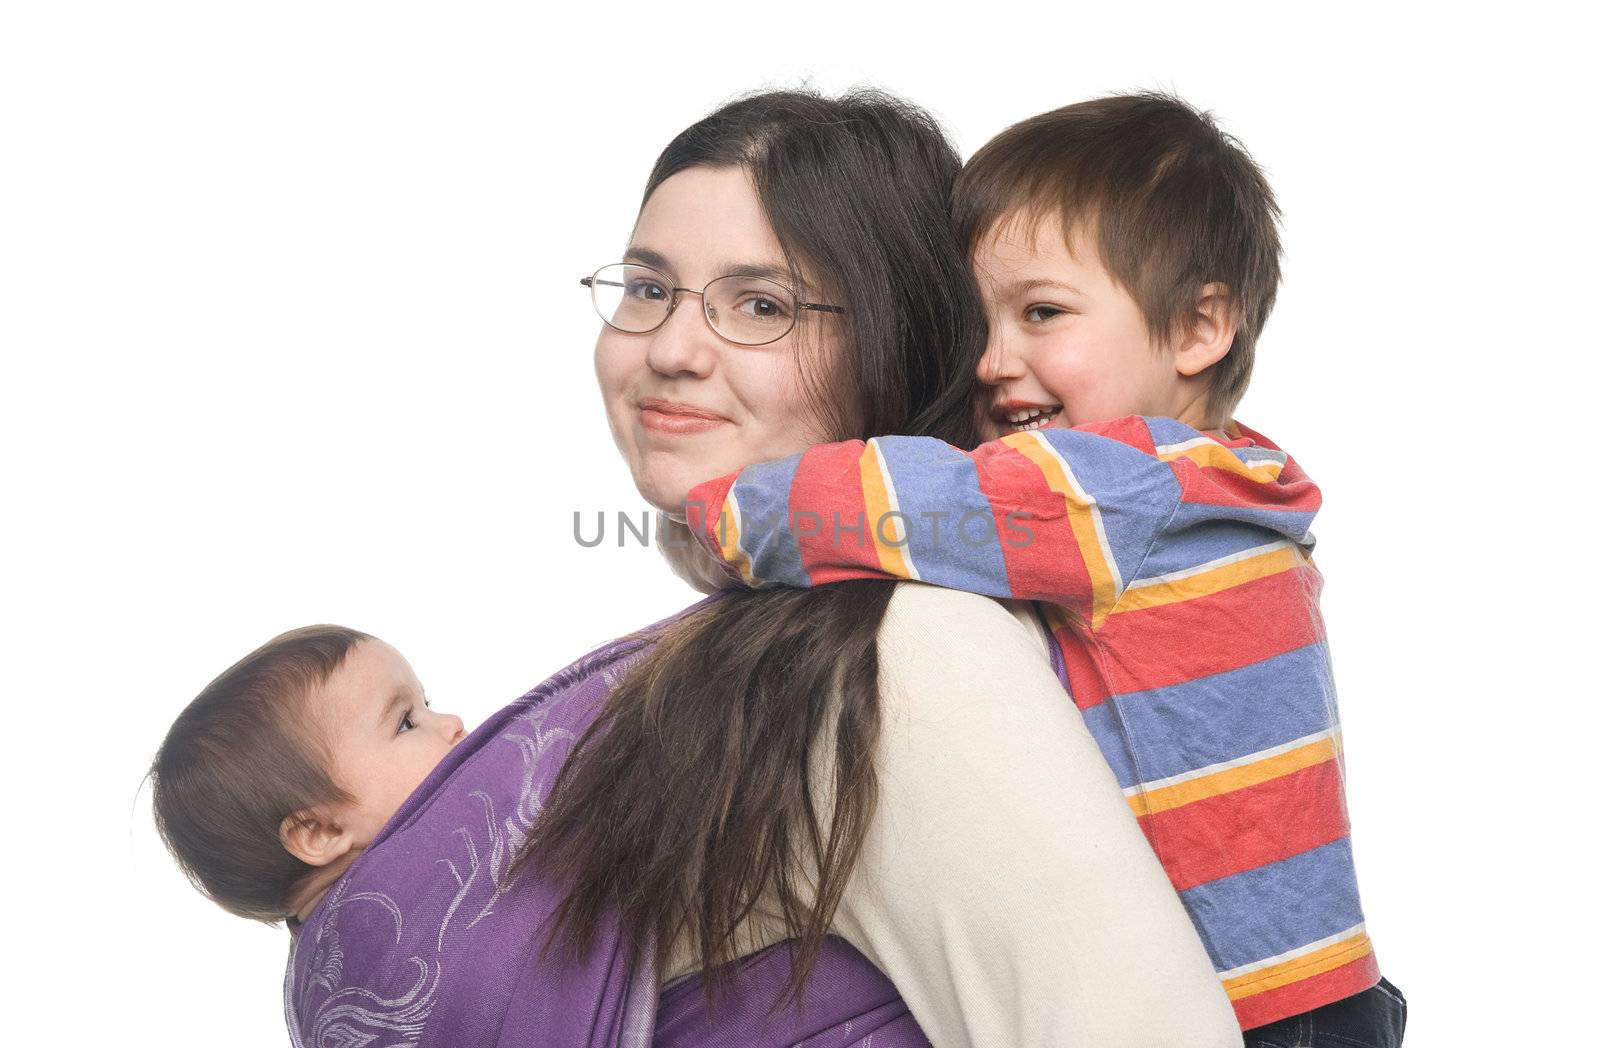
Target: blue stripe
point(1288, 524)
point(1136, 492)
point(1201, 722)
point(1261, 913)
point(762, 492)
point(937, 487)
point(1102, 723)
point(1203, 544)
point(1165, 431)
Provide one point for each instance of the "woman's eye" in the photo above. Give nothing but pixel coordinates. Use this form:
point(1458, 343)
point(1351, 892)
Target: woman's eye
point(1039, 314)
point(647, 290)
point(762, 308)
point(406, 724)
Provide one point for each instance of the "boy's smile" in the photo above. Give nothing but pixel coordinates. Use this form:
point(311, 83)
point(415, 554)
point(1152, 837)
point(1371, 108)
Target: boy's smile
point(1068, 344)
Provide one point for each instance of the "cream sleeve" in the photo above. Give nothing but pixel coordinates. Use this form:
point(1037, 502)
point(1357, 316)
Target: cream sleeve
point(1005, 886)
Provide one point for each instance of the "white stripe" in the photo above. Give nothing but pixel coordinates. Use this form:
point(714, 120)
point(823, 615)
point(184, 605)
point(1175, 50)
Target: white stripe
point(1237, 762)
point(1250, 457)
point(902, 528)
point(1168, 449)
point(1310, 947)
point(1232, 558)
point(1094, 510)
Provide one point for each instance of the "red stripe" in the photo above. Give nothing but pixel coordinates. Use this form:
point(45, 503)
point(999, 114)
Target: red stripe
point(1083, 681)
point(1050, 566)
point(704, 509)
point(1211, 486)
point(1183, 641)
point(1344, 981)
point(826, 491)
point(1130, 430)
point(1249, 828)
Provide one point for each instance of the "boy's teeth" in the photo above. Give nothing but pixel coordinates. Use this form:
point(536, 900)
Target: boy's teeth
point(1026, 415)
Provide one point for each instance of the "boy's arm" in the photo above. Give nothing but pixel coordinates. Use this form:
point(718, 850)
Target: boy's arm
point(1062, 515)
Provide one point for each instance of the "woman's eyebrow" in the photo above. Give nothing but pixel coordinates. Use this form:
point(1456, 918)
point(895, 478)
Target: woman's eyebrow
point(656, 260)
point(766, 271)
point(645, 257)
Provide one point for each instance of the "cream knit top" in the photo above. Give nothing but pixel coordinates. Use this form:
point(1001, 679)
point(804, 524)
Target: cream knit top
point(1005, 887)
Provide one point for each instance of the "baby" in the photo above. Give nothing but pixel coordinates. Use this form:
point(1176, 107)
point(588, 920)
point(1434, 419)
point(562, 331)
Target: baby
point(272, 781)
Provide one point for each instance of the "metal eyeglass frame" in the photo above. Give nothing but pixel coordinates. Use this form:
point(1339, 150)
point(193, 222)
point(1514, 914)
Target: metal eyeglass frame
point(593, 280)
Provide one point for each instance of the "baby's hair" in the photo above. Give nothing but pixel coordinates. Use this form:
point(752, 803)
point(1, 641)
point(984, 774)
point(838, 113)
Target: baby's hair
point(240, 759)
point(1171, 202)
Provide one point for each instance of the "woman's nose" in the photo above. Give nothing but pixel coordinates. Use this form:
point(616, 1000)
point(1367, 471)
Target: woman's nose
point(684, 344)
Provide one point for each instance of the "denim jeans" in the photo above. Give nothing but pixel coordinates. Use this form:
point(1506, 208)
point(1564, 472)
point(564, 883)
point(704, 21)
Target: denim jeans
point(1374, 1018)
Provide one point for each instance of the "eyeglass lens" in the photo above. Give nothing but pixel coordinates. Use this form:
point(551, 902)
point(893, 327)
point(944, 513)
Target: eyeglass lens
point(749, 310)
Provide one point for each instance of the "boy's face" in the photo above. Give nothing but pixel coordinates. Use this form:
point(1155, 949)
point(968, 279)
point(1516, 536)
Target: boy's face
point(383, 737)
point(1067, 343)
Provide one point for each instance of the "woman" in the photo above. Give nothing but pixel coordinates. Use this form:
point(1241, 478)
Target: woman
point(877, 336)
point(800, 781)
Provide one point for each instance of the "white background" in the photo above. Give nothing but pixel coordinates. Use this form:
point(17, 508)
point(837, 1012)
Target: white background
point(291, 333)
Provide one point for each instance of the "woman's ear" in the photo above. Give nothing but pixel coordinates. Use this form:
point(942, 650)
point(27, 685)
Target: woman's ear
point(1208, 330)
point(313, 837)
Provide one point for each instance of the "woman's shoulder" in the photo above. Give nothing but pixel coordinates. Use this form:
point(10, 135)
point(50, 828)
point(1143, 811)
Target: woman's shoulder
point(958, 623)
point(943, 649)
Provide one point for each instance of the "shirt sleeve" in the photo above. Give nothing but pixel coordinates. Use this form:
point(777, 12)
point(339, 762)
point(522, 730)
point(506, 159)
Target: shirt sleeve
point(1005, 886)
point(1060, 515)
point(1067, 516)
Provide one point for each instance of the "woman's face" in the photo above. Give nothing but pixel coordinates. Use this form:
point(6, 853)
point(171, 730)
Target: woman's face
point(685, 405)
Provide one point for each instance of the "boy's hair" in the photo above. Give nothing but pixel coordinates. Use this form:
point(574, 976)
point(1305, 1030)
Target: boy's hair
point(240, 759)
point(1172, 202)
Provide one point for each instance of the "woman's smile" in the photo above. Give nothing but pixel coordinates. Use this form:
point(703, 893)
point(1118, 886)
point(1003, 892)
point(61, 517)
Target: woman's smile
point(672, 418)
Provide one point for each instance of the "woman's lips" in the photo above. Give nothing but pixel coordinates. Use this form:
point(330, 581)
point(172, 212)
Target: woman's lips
point(664, 416)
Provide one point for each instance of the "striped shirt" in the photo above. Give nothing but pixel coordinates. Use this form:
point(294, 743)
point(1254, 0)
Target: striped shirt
point(1176, 579)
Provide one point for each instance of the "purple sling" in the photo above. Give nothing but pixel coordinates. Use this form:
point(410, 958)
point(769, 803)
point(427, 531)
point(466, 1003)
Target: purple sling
point(424, 942)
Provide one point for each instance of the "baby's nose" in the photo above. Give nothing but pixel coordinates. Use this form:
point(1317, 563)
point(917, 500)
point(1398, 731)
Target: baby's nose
point(455, 728)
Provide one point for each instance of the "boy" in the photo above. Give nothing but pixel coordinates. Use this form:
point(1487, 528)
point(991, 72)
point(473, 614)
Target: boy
point(1128, 256)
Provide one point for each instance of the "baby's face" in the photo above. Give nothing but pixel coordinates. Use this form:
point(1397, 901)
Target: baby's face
point(383, 737)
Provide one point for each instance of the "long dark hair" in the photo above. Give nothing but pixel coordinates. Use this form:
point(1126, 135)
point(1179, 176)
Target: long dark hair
point(691, 798)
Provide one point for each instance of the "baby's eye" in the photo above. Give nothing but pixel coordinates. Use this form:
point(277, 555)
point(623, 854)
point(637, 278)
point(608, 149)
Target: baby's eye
point(406, 724)
point(1039, 314)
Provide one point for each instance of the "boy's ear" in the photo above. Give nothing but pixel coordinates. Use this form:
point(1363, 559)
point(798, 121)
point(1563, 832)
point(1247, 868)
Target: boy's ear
point(1208, 331)
point(313, 837)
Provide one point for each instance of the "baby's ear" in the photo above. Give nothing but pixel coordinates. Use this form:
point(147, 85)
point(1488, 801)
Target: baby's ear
point(1207, 332)
point(313, 837)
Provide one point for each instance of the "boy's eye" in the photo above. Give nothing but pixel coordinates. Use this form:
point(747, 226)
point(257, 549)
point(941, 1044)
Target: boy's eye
point(406, 724)
point(1039, 314)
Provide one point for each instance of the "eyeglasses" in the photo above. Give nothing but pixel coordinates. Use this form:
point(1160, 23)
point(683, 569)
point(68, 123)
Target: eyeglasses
point(745, 310)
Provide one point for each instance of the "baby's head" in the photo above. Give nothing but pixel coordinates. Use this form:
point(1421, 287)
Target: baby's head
point(1128, 254)
point(290, 762)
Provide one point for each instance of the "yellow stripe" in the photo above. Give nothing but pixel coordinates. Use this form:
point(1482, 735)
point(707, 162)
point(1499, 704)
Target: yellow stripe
point(728, 532)
point(875, 494)
point(1205, 583)
point(1228, 780)
point(1295, 969)
point(1216, 456)
point(1080, 516)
